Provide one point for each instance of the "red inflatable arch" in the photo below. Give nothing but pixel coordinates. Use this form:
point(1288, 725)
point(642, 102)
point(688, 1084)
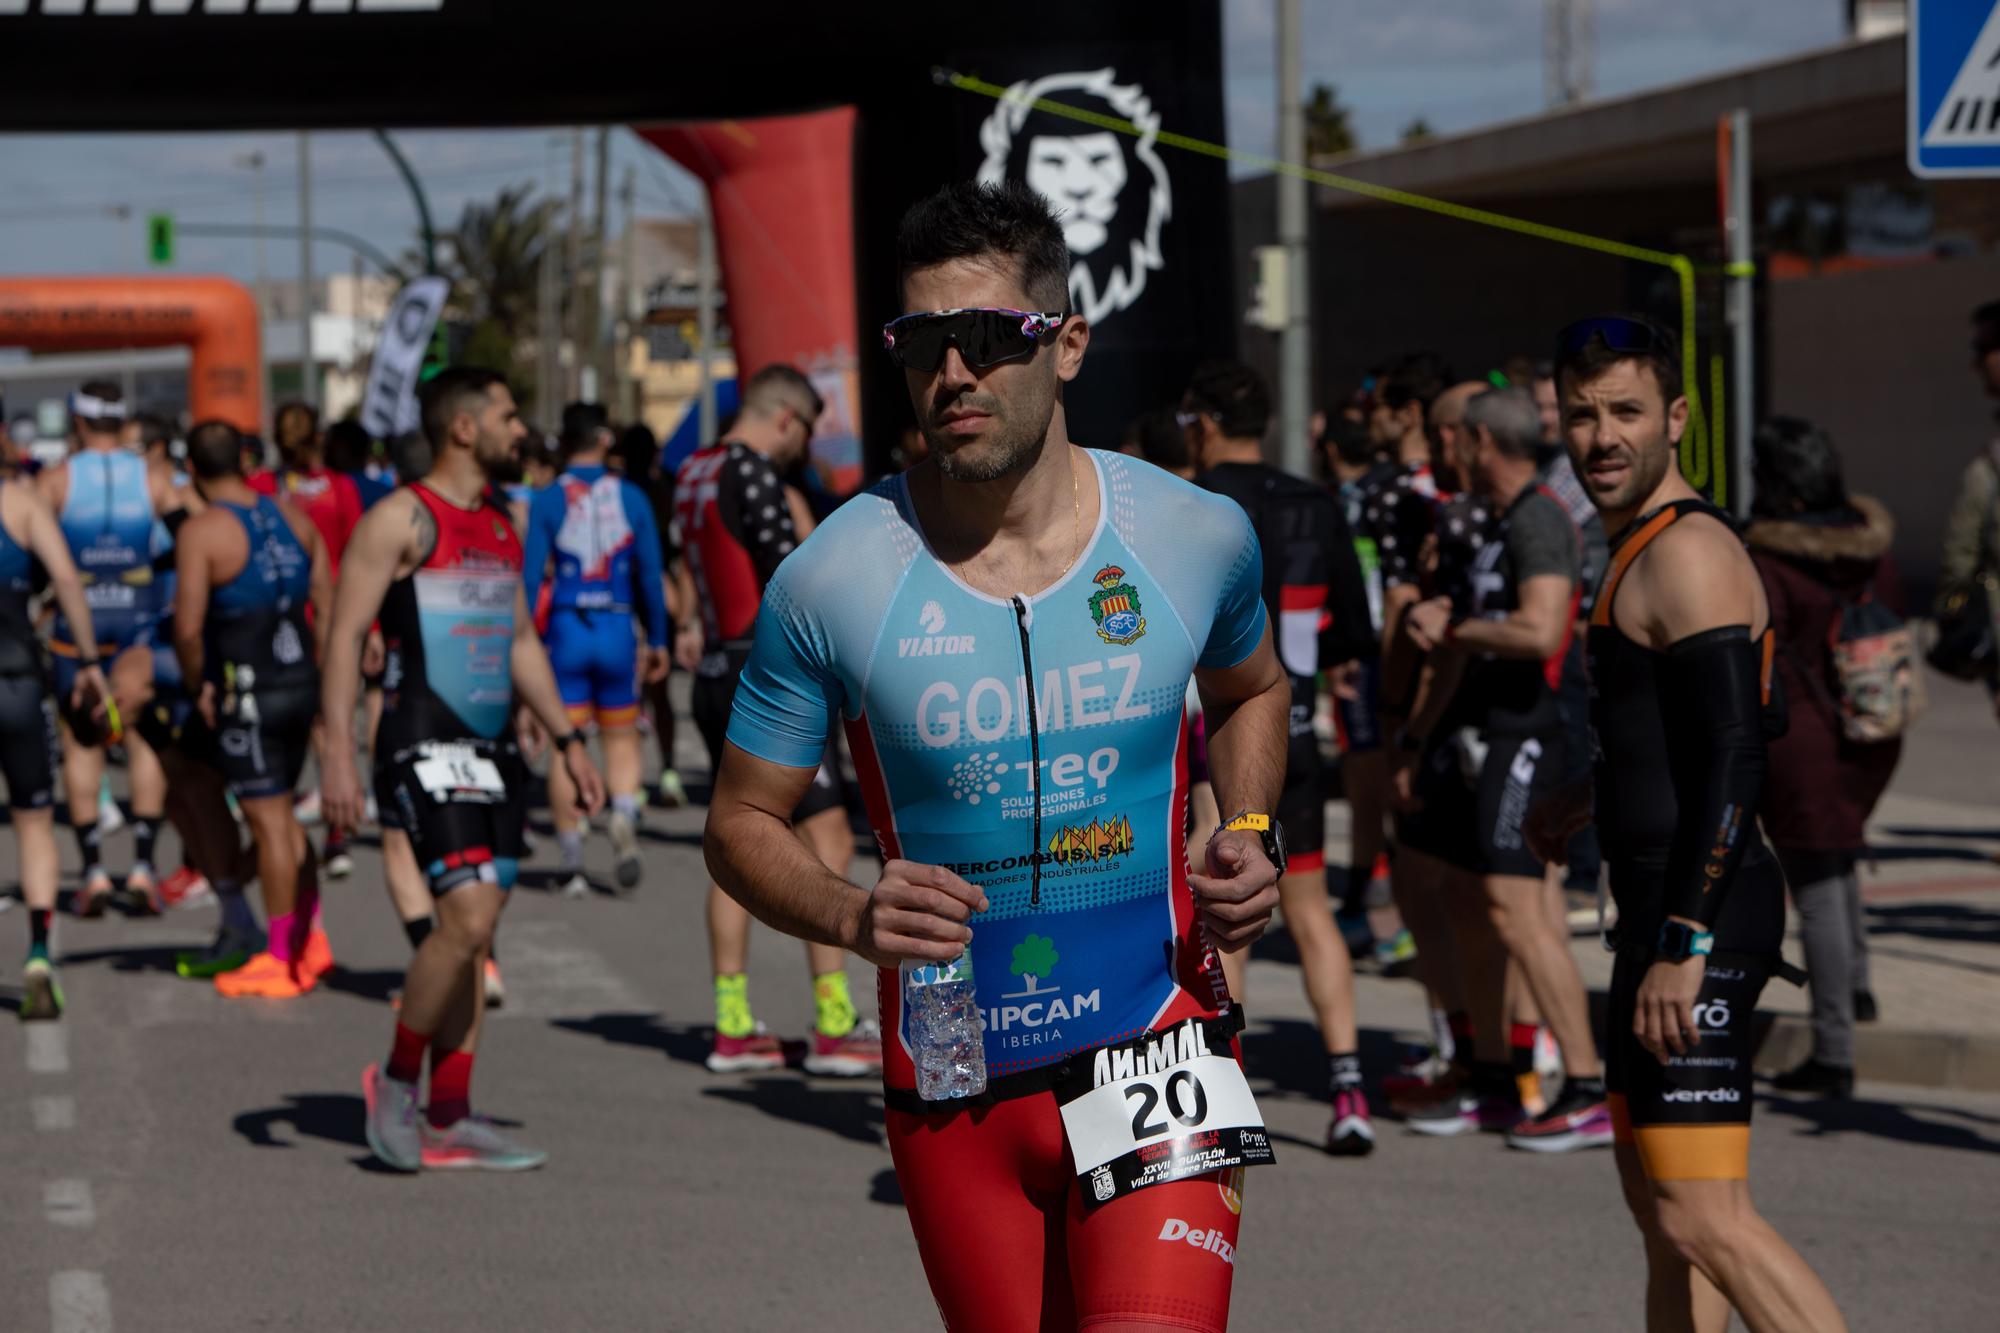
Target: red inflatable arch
point(214, 317)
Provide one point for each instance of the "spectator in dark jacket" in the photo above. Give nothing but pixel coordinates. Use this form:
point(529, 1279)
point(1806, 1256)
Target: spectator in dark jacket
point(1817, 548)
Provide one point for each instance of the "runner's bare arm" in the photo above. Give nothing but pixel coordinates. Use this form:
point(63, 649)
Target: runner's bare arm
point(320, 590)
point(1694, 577)
point(194, 555)
point(1533, 631)
point(45, 541)
point(1248, 707)
point(916, 912)
point(390, 539)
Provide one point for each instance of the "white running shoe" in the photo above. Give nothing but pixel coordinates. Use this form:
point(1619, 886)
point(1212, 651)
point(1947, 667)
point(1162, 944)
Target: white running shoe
point(625, 840)
point(307, 809)
point(576, 886)
point(473, 1144)
point(392, 1119)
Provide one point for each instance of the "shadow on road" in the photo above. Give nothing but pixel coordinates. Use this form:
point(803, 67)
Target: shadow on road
point(374, 985)
point(886, 1189)
point(681, 1041)
point(1289, 1054)
point(146, 958)
point(852, 1113)
point(1973, 834)
point(334, 1117)
point(1935, 921)
point(1888, 1120)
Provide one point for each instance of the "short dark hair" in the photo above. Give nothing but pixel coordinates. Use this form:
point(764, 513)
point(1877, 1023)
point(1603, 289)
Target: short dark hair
point(412, 456)
point(1160, 440)
point(1986, 327)
point(1595, 356)
point(1234, 395)
point(348, 446)
point(581, 423)
point(445, 395)
point(970, 220)
point(1348, 439)
point(295, 426)
point(639, 449)
point(153, 429)
point(1794, 469)
point(215, 449)
point(1415, 377)
point(780, 385)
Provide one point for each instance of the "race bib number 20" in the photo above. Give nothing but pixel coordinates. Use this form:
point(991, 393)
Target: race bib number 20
point(1160, 1110)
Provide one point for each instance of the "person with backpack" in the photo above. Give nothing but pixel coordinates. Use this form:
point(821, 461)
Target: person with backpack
point(1849, 669)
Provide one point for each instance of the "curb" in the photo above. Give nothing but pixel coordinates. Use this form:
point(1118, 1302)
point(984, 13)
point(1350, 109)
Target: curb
point(1968, 1062)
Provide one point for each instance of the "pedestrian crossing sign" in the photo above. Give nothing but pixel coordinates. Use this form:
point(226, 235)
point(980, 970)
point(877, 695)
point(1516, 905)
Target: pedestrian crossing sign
point(1954, 87)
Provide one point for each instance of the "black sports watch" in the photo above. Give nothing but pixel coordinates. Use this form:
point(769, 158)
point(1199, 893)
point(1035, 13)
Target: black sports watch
point(574, 737)
point(1679, 941)
point(1268, 831)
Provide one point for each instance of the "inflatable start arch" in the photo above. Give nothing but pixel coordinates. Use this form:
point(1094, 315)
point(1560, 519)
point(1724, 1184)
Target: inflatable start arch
point(215, 318)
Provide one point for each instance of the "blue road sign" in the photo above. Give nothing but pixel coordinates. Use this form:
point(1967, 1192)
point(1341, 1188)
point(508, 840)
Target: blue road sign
point(1954, 87)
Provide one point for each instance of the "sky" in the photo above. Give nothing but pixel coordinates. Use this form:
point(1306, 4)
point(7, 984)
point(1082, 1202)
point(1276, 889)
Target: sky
point(1458, 64)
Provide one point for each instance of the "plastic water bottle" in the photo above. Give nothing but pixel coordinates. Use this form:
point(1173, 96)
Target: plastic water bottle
point(944, 1029)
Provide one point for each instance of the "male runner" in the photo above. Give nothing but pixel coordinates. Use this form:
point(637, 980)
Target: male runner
point(108, 501)
point(598, 529)
point(440, 565)
point(1492, 742)
point(29, 751)
point(737, 527)
point(246, 569)
point(1315, 597)
point(1680, 671)
point(1008, 630)
point(332, 500)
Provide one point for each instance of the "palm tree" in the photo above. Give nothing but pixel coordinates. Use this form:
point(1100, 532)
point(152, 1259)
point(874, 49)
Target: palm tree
point(493, 257)
point(1329, 132)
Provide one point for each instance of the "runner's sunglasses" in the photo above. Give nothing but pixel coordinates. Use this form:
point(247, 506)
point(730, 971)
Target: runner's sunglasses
point(1619, 334)
point(984, 336)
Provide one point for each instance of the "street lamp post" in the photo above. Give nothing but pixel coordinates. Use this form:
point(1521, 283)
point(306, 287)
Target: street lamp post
point(255, 162)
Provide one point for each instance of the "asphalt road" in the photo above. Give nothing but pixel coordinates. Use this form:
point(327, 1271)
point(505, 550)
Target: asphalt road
point(177, 1161)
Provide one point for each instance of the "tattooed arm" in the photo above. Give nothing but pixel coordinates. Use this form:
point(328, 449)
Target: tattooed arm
point(392, 539)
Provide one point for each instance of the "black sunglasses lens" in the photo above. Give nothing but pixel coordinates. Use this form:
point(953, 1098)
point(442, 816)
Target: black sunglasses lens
point(983, 337)
point(1620, 335)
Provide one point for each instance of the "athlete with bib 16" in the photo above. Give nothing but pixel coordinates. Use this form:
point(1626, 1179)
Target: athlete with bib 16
point(1008, 631)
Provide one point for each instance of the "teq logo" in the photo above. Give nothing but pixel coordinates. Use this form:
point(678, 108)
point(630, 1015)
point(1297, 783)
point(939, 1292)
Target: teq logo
point(1110, 191)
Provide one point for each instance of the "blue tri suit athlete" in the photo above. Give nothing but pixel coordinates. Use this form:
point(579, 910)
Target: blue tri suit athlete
point(1007, 632)
point(597, 528)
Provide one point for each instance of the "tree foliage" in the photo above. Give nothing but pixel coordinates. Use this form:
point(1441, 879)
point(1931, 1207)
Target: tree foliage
point(1329, 127)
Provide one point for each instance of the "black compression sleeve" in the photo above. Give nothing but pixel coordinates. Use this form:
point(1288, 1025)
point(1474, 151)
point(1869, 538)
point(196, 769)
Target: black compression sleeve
point(1711, 696)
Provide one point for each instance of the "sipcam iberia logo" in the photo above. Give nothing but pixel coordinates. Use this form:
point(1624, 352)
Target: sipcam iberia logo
point(1098, 840)
point(1115, 607)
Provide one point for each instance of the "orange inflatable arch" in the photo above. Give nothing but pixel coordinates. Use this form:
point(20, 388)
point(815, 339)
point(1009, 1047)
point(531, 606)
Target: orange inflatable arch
point(216, 318)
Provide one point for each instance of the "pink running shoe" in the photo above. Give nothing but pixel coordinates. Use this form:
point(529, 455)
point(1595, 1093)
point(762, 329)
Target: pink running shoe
point(856, 1055)
point(760, 1051)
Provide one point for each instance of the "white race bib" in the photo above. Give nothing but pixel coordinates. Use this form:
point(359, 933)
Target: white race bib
point(1162, 1110)
point(450, 769)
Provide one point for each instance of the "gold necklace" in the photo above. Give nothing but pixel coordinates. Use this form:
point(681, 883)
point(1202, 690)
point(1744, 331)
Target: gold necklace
point(1075, 529)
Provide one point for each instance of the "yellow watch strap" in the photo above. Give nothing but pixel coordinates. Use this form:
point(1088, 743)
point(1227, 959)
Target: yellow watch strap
point(1250, 823)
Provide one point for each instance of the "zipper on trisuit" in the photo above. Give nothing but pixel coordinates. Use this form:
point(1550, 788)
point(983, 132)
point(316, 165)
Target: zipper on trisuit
point(1034, 757)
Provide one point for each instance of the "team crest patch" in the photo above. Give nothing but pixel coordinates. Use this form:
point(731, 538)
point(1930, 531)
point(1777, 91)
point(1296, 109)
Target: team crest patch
point(1115, 607)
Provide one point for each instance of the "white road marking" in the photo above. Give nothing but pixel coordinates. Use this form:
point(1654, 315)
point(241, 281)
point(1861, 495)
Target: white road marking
point(79, 1302)
point(68, 1203)
point(552, 973)
point(48, 1048)
point(53, 1113)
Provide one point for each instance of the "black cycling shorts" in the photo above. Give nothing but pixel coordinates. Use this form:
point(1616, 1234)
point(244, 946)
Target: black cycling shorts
point(261, 740)
point(1477, 788)
point(461, 801)
point(1302, 807)
point(30, 751)
point(1689, 1118)
point(711, 701)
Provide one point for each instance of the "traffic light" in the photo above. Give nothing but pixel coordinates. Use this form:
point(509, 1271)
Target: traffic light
point(160, 238)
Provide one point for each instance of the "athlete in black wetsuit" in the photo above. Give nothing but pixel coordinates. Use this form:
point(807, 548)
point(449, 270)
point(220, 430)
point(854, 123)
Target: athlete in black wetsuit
point(1318, 605)
point(1680, 669)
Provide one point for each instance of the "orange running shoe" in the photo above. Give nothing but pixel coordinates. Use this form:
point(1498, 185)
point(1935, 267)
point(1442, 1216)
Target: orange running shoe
point(266, 978)
point(317, 960)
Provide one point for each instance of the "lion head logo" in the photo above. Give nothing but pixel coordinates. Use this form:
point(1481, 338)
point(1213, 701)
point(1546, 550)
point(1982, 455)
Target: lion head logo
point(1109, 189)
